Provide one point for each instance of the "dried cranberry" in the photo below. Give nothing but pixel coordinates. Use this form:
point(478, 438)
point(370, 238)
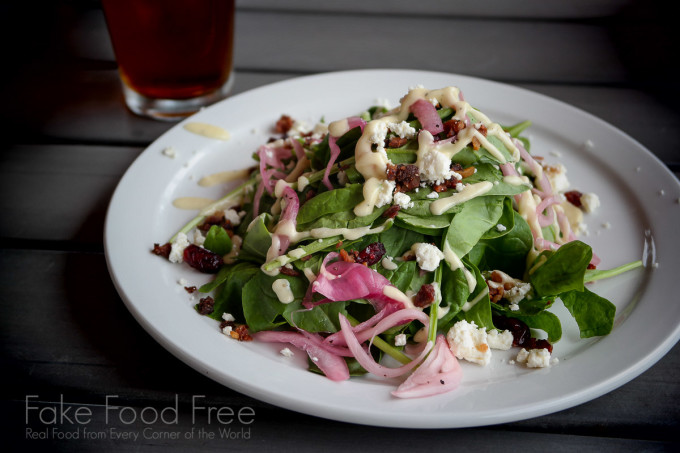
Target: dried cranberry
point(202, 259)
point(574, 197)
point(425, 296)
point(206, 305)
point(533, 343)
point(371, 254)
point(391, 212)
point(407, 177)
point(520, 331)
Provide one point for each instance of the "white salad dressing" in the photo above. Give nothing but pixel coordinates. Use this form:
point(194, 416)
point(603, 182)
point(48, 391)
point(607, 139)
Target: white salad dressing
point(281, 288)
point(441, 205)
point(208, 130)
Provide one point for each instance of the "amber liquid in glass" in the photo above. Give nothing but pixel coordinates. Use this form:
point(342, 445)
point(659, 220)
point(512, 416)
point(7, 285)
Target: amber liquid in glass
point(172, 49)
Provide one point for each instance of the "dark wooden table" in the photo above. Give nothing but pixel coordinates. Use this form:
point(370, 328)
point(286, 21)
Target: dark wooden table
point(67, 140)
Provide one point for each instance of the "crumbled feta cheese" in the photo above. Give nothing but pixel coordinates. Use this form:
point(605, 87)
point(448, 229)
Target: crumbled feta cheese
point(499, 340)
point(555, 153)
point(232, 216)
point(400, 340)
point(170, 152)
point(557, 175)
point(342, 178)
point(459, 187)
point(435, 167)
point(428, 256)
point(286, 352)
point(534, 358)
point(385, 193)
point(182, 282)
point(228, 317)
point(177, 248)
point(501, 227)
point(517, 292)
point(662, 193)
point(513, 307)
point(403, 200)
point(199, 239)
point(378, 136)
point(388, 264)
point(433, 195)
point(590, 202)
point(403, 129)
point(227, 330)
point(469, 343)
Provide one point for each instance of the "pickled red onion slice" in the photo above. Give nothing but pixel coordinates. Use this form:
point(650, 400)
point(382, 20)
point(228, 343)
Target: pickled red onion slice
point(428, 116)
point(332, 365)
point(366, 360)
point(439, 373)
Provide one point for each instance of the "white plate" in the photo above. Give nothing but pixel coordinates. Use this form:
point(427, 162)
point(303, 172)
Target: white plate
point(600, 159)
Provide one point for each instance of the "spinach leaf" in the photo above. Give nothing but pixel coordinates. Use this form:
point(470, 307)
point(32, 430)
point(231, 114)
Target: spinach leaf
point(476, 217)
point(261, 307)
point(480, 312)
point(257, 240)
point(543, 320)
point(402, 276)
point(322, 318)
point(593, 314)
point(217, 240)
point(563, 270)
point(325, 203)
point(398, 241)
point(506, 253)
point(229, 292)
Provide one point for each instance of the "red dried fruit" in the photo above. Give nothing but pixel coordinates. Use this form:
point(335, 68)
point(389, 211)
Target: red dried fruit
point(574, 197)
point(162, 250)
point(371, 254)
point(520, 331)
point(202, 259)
point(425, 296)
point(206, 305)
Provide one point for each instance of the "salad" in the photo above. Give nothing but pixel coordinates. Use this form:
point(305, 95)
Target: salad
point(426, 233)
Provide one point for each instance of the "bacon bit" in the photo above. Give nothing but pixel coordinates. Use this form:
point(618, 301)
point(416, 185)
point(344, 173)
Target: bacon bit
point(407, 177)
point(475, 143)
point(190, 289)
point(538, 157)
point(574, 197)
point(495, 293)
point(452, 127)
point(284, 124)
point(391, 172)
point(507, 286)
point(306, 258)
point(396, 142)
point(288, 271)
point(425, 296)
point(440, 188)
point(338, 245)
point(345, 256)
point(162, 250)
point(466, 172)
point(483, 347)
point(206, 305)
point(391, 212)
point(409, 256)
point(591, 266)
point(217, 219)
point(481, 128)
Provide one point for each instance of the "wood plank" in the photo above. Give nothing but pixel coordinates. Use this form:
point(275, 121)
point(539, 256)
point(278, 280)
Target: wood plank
point(75, 337)
point(535, 9)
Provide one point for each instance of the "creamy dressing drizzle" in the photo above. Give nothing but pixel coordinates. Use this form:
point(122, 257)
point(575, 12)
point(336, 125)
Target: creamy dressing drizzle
point(442, 205)
point(471, 303)
point(223, 177)
point(192, 203)
point(208, 130)
point(394, 293)
point(281, 288)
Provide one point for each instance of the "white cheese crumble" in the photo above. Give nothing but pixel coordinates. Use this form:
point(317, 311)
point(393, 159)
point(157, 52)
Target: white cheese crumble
point(379, 135)
point(517, 292)
point(557, 175)
point(590, 202)
point(177, 248)
point(469, 343)
point(428, 256)
point(403, 129)
point(513, 307)
point(435, 167)
point(385, 191)
point(182, 282)
point(232, 216)
point(433, 195)
point(534, 358)
point(499, 340)
point(228, 317)
point(286, 352)
point(403, 200)
point(199, 239)
point(227, 330)
point(400, 340)
point(501, 227)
